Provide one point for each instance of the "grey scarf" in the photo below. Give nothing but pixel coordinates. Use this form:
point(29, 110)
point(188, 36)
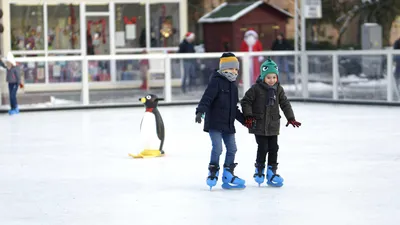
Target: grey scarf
point(230, 76)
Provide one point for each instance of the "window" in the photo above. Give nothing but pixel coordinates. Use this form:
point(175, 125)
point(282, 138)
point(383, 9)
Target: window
point(65, 71)
point(26, 27)
point(99, 70)
point(165, 25)
point(130, 26)
point(33, 72)
point(63, 27)
point(96, 8)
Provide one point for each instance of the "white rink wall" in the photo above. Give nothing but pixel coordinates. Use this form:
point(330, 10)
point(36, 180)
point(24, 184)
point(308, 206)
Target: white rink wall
point(328, 77)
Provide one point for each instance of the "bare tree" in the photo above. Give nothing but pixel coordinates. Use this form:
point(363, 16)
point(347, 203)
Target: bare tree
point(340, 13)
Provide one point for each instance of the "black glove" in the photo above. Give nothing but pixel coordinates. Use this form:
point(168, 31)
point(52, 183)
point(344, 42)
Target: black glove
point(198, 117)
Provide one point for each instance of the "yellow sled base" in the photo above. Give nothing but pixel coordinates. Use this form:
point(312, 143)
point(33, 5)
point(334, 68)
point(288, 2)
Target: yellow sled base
point(147, 154)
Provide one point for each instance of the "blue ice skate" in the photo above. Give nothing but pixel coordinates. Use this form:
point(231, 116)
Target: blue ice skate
point(259, 174)
point(274, 179)
point(212, 175)
point(229, 180)
point(13, 111)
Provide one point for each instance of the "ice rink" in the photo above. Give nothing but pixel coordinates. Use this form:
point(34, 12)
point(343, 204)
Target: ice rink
point(72, 168)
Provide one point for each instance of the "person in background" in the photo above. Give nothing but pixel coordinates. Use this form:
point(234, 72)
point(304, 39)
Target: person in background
point(187, 46)
point(144, 69)
point(14, 81)
point(281, 44)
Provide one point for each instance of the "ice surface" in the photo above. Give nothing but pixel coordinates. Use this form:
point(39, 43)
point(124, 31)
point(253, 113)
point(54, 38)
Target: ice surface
point(72, 167)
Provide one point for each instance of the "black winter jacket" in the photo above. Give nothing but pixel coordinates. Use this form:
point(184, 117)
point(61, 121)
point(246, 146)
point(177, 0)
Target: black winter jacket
point(186, 47)
point(220, 104)
point(282, 45)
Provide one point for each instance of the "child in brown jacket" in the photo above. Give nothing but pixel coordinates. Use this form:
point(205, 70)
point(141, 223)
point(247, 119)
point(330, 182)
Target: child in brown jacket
point(260, 107)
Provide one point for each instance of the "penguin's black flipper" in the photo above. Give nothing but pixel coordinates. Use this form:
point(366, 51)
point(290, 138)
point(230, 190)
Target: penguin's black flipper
point(160, 127)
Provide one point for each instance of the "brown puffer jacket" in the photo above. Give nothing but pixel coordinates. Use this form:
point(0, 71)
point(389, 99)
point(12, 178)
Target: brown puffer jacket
point(267, 117)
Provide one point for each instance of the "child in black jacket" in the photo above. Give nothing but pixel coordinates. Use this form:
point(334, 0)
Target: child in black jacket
point(219, 104)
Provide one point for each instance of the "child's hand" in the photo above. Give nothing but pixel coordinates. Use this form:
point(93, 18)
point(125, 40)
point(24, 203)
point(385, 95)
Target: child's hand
point(294, 123)
point(250, 121)
point(198, 117)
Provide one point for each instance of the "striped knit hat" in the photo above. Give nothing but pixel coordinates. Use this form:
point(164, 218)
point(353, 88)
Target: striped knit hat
point(228, 61)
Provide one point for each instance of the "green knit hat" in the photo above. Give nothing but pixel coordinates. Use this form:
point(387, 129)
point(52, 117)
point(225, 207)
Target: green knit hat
point(269, 66)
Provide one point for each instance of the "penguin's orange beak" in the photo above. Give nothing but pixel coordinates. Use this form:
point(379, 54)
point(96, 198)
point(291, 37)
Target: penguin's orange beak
point(143, 100)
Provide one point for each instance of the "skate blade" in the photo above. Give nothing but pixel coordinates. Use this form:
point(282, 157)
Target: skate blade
point(274, 184)
point(137, 156)
point(143, 156)
point(259, 182)
point(233, 187)
point(211, 183)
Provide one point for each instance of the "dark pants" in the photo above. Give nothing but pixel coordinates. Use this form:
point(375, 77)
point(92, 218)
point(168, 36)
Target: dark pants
point(189, 74)
point(12, 92)
point(267, 144)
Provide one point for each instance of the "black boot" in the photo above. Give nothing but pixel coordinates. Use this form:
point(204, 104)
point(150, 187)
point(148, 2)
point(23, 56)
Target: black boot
point(259, 174)
point(274, 179)
point(229, 176)
point(274, 167)
point(213, 172)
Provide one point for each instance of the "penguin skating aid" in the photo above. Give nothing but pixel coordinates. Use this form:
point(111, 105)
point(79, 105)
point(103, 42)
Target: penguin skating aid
point(152, 131)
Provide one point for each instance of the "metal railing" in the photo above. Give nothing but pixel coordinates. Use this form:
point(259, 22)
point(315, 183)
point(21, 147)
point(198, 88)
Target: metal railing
point(328, 70)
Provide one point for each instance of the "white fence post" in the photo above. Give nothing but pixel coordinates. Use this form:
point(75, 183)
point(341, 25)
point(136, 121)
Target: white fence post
point(389, 75)
point(168, 79)
point(335, 76)
point(85, 81)
point(46, 47)
point(111, 22)
point(85, 66)
point(246, 72)
point(1, 94)
point(304, 74)
point(304, 56)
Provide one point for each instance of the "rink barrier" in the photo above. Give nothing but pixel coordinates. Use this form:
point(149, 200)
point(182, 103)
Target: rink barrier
point(101, 106)
point(161, 63)
point(194, 104)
